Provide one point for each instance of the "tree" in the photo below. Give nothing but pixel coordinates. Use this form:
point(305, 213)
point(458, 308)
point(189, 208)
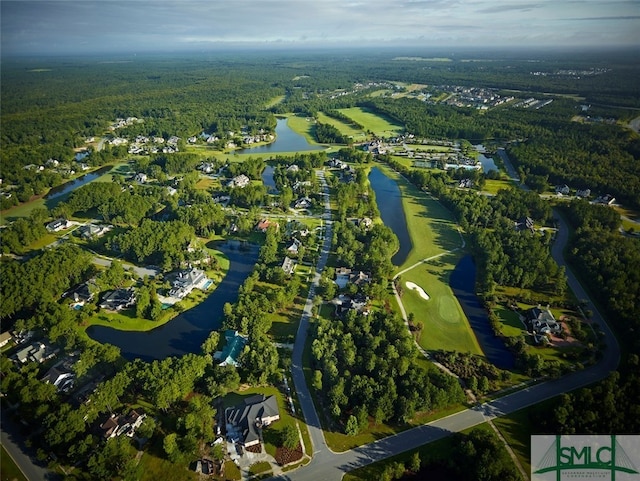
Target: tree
point(352, 427)
point(170, 446)
point(290, 438)
point(211, 343)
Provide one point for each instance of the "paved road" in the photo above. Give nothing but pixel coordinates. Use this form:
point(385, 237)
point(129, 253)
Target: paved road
point(13, 442)
point(140, 271)
point(328, 466)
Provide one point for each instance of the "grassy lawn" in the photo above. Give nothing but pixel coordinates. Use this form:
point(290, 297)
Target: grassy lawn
point(344, 128)
point(511, 324)
point(275, 101)
point(445, 325)
point(516, 429)
point(429, 148)
point(9, 471)
point(377, 124)
point(152, 468)
point(492, 186)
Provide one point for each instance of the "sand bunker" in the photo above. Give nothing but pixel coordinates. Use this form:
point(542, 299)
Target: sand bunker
point(416, 287)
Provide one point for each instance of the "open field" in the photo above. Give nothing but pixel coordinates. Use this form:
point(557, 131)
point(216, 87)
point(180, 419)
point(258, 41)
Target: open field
point(516, 428)
point(492, 186)
point(377, 124)
point(344, 128)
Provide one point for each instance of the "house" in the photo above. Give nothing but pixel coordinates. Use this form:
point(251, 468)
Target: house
point(246, 421)
point(264, 225)
point(58, 225)
point(141, 177)
point(5, 337)
point(239, 181)
point(365, 222)
point(606, 199)
point(541, 321)
point(563, 189)
point(173, 140)
point(345, 304)
point(60, 378)
point(118, 425)
point(186, 281)
point(234, 344)
point(524, 223)
point(82, 292)
point(36, 352)
point(583, 194)
point(119, 299)
point(294, 247)
point(293, 168)
point(303, 203)
point(91, 231)
point(288, 265)
point(358, 278)
point(465, 183)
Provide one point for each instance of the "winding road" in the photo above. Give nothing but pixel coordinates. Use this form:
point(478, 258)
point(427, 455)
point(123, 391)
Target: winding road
point(327, 465)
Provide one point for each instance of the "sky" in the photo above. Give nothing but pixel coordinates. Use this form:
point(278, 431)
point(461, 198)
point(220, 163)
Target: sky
point(52, 27)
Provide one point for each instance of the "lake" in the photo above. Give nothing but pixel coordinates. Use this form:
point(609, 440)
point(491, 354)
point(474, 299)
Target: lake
point(67, 187)
point(389, 201)
point(462, 282)
point(286, 141)
point(487, 162)
point(186, 333)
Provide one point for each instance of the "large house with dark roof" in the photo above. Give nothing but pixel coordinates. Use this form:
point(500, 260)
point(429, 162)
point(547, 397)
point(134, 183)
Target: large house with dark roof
point(245, 422)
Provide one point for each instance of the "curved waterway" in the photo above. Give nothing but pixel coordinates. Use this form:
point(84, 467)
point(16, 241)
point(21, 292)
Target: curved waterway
point(74, 184)
point(463, 277)
point(186, 332)
point(389, 201)
point(462, 282)
point(286, 141)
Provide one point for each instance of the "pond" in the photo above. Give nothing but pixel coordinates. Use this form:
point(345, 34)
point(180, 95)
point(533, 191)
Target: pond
point(267, 179)
point(487, 162)
point(462, 282)
point(389, 201)
point(74, 184)
point(186, 333)
point(286, 141)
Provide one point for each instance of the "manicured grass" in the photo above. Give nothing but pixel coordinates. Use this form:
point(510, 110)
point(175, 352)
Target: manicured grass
point(431, 226)
point(9, 471)
point(429, 148)
point(344, 128)
point(444, 324)
point(517, 428)
point(259, 467)
point(511, 325)
point(304, 126)
point(377, 124)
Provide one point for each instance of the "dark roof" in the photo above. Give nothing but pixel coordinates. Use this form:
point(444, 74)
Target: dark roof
point(248, 416)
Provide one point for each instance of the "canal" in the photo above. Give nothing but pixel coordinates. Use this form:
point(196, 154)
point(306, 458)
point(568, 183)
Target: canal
point(186, 333)
point(63, 189)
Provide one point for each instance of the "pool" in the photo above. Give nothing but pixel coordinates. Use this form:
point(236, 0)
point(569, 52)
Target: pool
point(209, 282)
